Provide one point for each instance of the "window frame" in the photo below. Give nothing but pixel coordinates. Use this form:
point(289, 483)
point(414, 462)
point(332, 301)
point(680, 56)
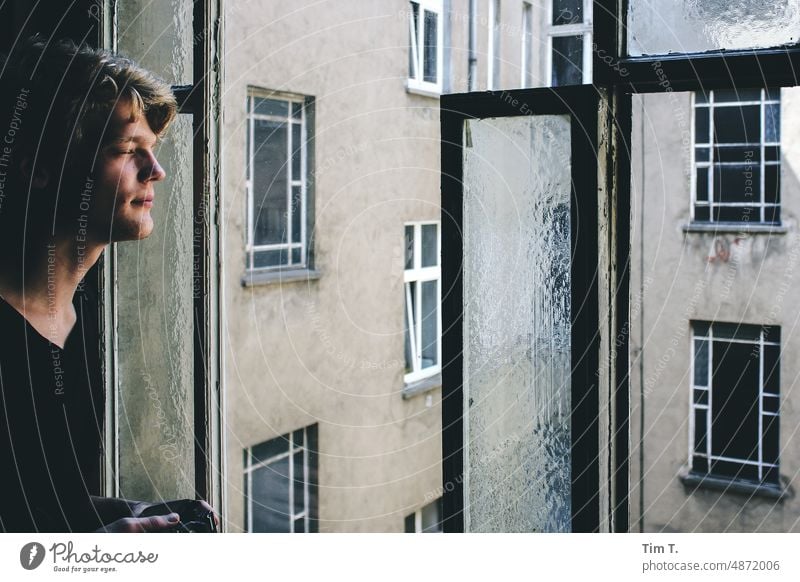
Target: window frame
point(415, 82)
point(418, 275)
point(709, 336)
point(309, 512)
point(585, 29)
point(526, 46)
point(763, 101)
point(251, 248)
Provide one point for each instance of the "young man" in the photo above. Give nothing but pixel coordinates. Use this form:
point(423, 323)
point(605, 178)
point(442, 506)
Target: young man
point(78, 131)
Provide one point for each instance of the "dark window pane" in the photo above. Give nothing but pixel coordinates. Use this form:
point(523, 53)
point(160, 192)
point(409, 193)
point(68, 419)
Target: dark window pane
point(297, 438)
point(702, 155)
point(270, 499)
point(297, 110)
point(772, 183)
point(430, 245)
point(772, 214)
point(297, 256)
point(567, 60)
point(701, 397)
point(410, 322)
point(297, 213)
point(742, 214)
point(772, 153)
point(772, 333)
point(430, 327)
point(735, 470)
point(701, 125)
point(735, 386)
point(270, 107)
point(701, 97)
point(700, 363)
point(269, 449)
point(744, 155)
point(771, 404)
point(431, 518)
point(737, 183)
point(410, 526)
point(733, 95)
point(741, 331)
point(771, 475)
point(269, 182)
point(431, 41)
point(409, 247)
point(567, 11)
point(264, 259)
point(311, 477)
point(772, 370)
point(737, 124)
point(299, 483)
point(297, 151)
point(702, 184)
point(701, 328)
point(702, 213)
point(700, 431)
point(700, 465)
point(300, 525)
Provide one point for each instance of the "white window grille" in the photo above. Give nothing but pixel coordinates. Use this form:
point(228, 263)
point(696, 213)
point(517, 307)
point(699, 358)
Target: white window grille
point(426, 41)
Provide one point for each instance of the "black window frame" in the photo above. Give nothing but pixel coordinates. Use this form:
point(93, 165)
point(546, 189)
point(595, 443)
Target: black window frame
point(617, 77)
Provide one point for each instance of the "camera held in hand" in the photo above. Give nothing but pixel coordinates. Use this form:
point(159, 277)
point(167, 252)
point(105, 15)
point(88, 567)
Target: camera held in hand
point(195, 517)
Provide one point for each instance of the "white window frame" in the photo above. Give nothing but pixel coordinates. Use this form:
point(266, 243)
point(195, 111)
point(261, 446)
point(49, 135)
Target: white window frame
point(584, 28)
point(693, 406)
point(418, 517)
point(711, 105)
point(493, 54)
point(416, 82)
point(302, 181)
point(416, 276)
point(526, 48)
point(251, 467)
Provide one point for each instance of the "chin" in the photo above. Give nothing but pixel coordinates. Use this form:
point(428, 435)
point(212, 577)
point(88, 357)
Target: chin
point(132, 230)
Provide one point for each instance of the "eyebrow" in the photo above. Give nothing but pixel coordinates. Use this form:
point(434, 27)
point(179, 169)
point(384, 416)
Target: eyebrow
point(131, 138)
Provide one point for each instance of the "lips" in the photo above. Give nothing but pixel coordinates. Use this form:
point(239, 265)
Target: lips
point(146, 202)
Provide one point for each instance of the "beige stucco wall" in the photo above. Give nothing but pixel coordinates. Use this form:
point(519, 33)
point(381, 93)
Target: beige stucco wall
point(702, 276)
point(330, 350)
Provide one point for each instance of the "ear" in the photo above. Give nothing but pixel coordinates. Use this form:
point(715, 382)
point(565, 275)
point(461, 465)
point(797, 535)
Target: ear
point(40, 177)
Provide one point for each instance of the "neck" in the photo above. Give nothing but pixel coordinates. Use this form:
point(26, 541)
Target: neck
point(42, 282)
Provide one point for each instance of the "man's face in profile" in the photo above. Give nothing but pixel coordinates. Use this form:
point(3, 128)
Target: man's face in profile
point(126, 171)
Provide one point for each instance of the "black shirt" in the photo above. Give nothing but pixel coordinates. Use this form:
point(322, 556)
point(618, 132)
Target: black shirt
point(51, 424)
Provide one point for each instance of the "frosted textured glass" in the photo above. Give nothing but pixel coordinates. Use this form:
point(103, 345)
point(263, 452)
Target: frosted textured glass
point(685, 26)
point(517, 324)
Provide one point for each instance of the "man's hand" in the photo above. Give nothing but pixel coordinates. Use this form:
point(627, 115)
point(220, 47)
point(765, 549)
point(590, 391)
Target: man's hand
point(156, 523)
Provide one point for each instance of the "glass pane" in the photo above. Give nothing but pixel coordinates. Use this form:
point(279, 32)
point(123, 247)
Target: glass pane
point(297, 151)
point(297, 213)
point(270, 497)
point(431, 518)
point(413, 35)
point(737, 124)
point(410, 526)
point(409, 247)
point(269, 449)
point(567, 60)
point(700, 363)
point(772, 122)
point(517, 324)
point(297, 110)
point(430, 245)
point(299, 481)
point(275, 107)
point(264, 259)
point(430, 48)
point(667, 26)
point(567, 11)
point(430, 326)
point(269, 182)
point(410, 305)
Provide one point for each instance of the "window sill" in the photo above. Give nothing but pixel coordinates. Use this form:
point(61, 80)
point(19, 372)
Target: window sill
point(422, 386)
point(416, 89)
point(735, 228)
point(727, 485)
point(254, 278)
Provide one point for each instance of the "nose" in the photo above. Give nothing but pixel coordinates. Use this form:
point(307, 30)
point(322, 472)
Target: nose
point(152, 170)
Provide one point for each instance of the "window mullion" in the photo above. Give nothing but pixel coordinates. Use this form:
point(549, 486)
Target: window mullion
point(762, 198)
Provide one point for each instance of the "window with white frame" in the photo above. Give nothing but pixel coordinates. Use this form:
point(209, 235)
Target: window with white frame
point(426, 40)
point(493, 58)
point(280, 483)
point(569, 42)
point(735, 402)
point(427, 519)
point(737, 156)
point(526, 40)
point(277, 184)
point(423, 321)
